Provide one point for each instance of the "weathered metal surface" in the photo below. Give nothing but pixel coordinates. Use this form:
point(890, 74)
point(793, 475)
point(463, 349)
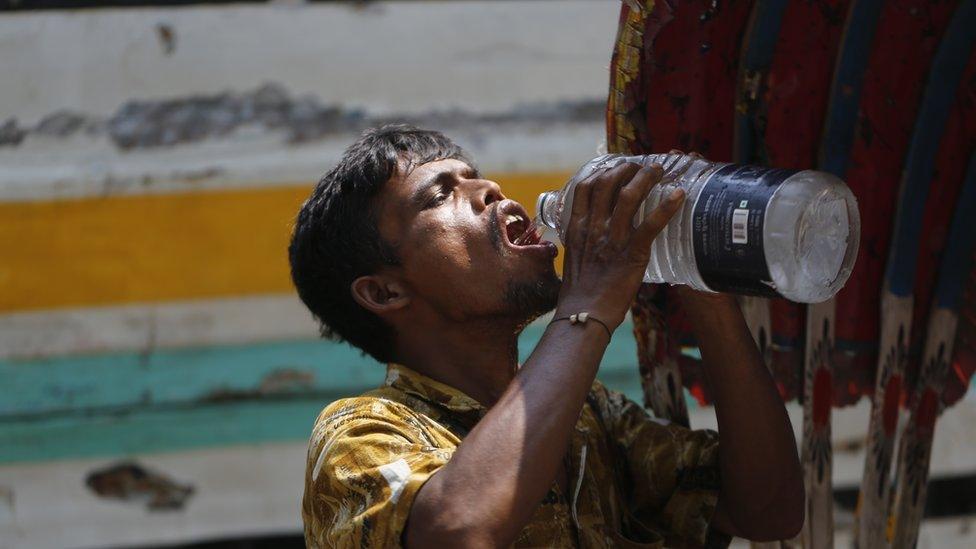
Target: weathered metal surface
point(816, 453)
point(915, 447)
point(130, 482)
point(693, 64)
point(873, 499)
point(915, 444)
point(145, 329)
point(958, 140)
point(789, 120)
point(794, 105)
point(825, 54)
point(945, 73)
point(156, 157)
point(116, 403)
point(907, 37)
point(385, 58)
point(147, 124)
point(238, 491)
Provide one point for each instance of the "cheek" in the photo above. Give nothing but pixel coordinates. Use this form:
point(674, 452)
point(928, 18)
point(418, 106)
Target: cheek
point(437, 251)
point(453, 260)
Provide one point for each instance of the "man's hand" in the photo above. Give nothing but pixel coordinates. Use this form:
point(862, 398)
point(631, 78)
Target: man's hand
point(606, 256)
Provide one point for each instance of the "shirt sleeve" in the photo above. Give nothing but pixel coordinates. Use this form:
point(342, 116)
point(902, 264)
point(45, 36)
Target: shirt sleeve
point(673, 471)
point(366, 463)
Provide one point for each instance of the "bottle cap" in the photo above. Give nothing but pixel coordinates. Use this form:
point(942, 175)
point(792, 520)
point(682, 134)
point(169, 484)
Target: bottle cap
point(540, 208)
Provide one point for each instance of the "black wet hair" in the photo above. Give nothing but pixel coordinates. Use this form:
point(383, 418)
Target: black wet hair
point(336, 238)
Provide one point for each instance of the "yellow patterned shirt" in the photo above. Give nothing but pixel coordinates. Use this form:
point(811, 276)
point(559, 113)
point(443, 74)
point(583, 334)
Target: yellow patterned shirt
point(635, 480)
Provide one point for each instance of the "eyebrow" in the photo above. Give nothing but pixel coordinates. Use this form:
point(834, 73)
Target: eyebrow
point(422, 192)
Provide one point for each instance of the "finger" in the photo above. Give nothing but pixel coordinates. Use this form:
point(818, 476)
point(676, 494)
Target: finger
point(579, 215)
point(657, 220)
point(605, 190)
point(631, 198)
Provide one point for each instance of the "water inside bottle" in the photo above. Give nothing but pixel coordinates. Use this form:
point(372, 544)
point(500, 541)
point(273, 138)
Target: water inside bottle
point(536, 227)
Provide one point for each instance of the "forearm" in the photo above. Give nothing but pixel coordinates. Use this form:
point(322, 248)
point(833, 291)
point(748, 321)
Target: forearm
point(509, 461)
point(761, 476)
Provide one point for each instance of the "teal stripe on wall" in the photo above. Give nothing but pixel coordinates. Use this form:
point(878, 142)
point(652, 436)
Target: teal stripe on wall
point(179, 376)
point(123, 404)
point(158, 430)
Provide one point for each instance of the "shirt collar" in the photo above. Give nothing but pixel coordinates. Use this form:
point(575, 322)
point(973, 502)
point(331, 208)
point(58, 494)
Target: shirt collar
point(413, 383)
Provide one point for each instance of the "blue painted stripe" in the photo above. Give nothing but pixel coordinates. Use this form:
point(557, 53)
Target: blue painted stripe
point(178, 376)
point(117, 382)
point(181, 428)
point(845, 90)
point(957, 260)
point(757, 56)
point(158, 430)
point(944, 76)
point(182, 423)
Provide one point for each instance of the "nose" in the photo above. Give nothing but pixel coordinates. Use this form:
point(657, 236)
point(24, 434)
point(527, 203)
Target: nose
point(486, 193)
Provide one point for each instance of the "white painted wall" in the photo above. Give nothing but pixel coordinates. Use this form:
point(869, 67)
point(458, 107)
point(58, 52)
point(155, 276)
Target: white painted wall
point(386, 57)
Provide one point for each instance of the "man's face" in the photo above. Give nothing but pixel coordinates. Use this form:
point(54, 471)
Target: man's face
point(455, 234)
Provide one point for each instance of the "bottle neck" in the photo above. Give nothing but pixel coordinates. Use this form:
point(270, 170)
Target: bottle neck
point(547, 208)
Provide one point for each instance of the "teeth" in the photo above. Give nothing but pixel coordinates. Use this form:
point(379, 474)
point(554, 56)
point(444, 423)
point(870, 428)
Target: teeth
point(510, 218)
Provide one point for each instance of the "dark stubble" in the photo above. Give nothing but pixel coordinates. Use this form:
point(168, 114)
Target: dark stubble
point(528, 299)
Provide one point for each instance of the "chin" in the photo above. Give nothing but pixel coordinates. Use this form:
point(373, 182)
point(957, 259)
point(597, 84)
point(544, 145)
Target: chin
point(530, 299)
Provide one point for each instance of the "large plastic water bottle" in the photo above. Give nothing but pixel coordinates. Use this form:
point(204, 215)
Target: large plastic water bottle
point(742, 229)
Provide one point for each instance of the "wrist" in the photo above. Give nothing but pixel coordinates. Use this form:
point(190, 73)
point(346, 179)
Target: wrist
point(566, 308)
point(585, 320)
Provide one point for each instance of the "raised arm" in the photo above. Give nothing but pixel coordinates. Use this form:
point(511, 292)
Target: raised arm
point(761, 495)
point(501, 471)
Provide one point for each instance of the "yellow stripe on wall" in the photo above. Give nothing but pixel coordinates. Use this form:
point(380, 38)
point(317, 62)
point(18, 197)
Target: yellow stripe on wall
point(163, 247)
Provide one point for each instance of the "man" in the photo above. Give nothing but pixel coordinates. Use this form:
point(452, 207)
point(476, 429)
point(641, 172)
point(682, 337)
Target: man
point(405, 251)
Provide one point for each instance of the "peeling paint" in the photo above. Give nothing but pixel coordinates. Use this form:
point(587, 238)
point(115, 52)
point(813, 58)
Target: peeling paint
point(286, 380)
point(11, 133)
point(6, 505)
point(282, 381)
point(143, 124)
point(64, 124)
point(167, 37)
point(130, 482)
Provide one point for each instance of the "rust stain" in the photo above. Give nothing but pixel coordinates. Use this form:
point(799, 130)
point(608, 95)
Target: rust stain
point(280, 382)
point(167, 38)
point(132, 483)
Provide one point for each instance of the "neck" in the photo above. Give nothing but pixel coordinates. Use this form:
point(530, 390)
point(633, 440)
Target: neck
point(479, 358)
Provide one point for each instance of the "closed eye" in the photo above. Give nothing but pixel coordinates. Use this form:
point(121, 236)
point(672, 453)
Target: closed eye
point(442, 193)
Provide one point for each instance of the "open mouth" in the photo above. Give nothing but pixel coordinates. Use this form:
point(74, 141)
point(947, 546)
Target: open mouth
point(519, 230)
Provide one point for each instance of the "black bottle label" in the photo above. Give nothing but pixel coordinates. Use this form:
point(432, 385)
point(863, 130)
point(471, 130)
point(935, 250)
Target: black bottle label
point(728, 229)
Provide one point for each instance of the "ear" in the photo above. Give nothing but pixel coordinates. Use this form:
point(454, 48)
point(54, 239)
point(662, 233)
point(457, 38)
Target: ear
point(379, 294)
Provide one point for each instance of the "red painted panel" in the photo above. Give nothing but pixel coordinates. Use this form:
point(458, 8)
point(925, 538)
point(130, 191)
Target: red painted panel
point(906, 39)
point(690, 77)
point(798, 83)
point(791, 117)
point(957, 144)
